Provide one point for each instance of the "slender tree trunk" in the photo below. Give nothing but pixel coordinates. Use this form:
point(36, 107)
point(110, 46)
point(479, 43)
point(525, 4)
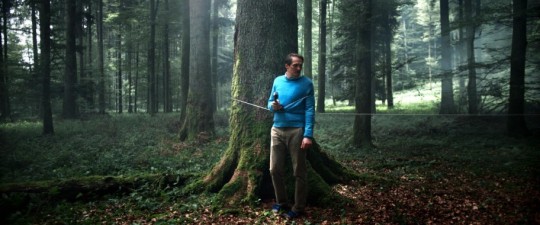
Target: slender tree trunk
point(214, 53)
point(119, 79)
point(45, 65)
point(90, 84)
point(129, 70)
point(70, 72)
point(462, 52)
point(136, 97)
point(167, 95)
point(152, 84)
point(101, 65)
point(331, 64)
point(322, 58)
point(447, 90)
point(184, 68)
point(4, 73)
point(35, 52)
point(471, 62)
point(516, 125)
point(308, 49)
point(363, 100)
point(388, 62)
point(199, 122)
point(79, 49)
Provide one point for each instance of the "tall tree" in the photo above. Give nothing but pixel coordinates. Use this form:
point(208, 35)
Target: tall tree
point(199, 119)
point(101, 61)
point(214, 54)
point(167, 94)
point(322, 58)
point(5, 105)
point(35, 46)
point(471, 61)
point(387, 53)
point(45, 65)
point(119, 79)
point(516, 101)
point(88, 85)
point(242, 176)
point(70, 71)
point(184, 67)
point(447, 90)
point(308, 39)
point(363, 80)
point(152, 106)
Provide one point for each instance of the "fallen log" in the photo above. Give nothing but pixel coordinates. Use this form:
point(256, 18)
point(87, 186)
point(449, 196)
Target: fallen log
point(17, 196)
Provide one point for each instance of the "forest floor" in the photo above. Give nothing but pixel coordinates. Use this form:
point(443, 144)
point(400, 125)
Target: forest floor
point(436, 170)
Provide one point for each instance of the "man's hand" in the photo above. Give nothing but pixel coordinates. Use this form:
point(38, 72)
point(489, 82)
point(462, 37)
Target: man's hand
point(276, 106)
point(306, 143)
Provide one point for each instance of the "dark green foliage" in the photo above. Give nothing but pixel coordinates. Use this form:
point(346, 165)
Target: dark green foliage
point(409, 148)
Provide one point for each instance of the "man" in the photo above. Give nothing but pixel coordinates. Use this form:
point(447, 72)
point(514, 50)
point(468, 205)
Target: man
point(293, 103)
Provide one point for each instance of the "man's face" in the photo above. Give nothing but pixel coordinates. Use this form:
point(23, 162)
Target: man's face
point(293, 70)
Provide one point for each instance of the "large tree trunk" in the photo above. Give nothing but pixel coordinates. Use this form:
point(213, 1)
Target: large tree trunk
point(199, 122)
point(45, 65)
point(70, 70)
point(516, 125)
point(447, 90)
point(363, 100)
point(308, 49)
point(322, 59)
point(242, 174)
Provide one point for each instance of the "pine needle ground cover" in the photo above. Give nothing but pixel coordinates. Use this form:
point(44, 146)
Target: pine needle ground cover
point(435, 170)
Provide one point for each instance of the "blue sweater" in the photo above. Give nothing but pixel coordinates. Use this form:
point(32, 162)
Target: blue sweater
point(298, 100)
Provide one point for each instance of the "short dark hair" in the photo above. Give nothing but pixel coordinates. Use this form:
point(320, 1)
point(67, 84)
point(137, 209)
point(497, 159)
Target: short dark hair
point(288, 59)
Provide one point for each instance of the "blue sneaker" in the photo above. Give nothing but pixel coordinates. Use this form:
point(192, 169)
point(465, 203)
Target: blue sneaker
point(276, 208)
point(291, 215)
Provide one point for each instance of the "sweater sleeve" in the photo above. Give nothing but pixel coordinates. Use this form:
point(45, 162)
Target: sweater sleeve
point(271, 98)
point(310, 113)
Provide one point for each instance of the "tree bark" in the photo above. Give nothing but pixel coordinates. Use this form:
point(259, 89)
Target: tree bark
point(152, 84)
point(101, 63)
point(167, 95)
point(447, 90)
point(308, 46)
point(5, 105)
point(322, 58)
point(363, 100)
point(516, 125)
point(242, 175)
point(119, 79)
point(214, 53)
point(70, 110)
point(389, 92)
point(184, 68)
point(471, 61)
point(45, 65)
point(199, 121)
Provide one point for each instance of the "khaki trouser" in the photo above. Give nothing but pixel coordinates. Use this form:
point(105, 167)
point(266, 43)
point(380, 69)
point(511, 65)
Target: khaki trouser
point(288, 141)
